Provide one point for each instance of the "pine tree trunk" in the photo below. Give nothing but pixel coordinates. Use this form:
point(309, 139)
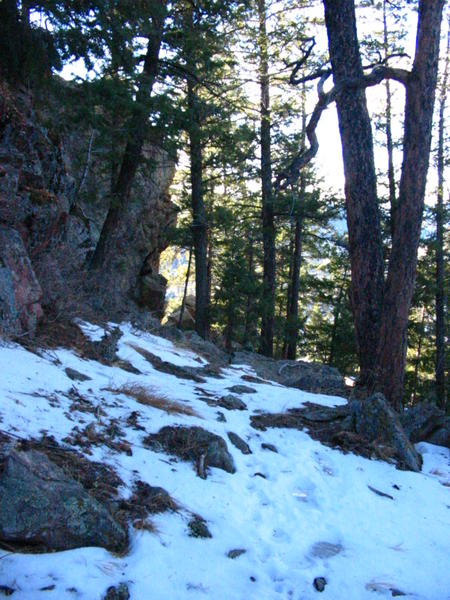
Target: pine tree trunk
point(249, 327)
point(441, 392)
point(389, 139)
point(199, 221)
point(186, 285)
point(292, 308)
point(420, 93)
point(336, 317)
point(268, 226)
point(111, 246)
point(363, 222)
point(418, 357)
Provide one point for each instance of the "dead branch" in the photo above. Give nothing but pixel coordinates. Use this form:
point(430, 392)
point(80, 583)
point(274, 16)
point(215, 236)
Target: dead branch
point(291, 173)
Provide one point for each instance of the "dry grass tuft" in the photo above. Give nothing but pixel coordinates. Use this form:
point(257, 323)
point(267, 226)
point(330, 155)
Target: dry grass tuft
point(149, 397)
point(145, 525)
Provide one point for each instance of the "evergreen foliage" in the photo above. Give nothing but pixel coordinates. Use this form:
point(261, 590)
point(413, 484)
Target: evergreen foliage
point(204, 109)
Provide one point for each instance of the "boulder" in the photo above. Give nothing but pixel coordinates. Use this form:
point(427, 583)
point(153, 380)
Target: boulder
point(375, 420)
point(231, 402)
point(152, 293)
point(242, 389)
point(307, 376)
point(426, 423)
point(203, 448)
point(44, 509)
point(367, 427)
point(239, 443)
point(188, 317)
point(20, 292)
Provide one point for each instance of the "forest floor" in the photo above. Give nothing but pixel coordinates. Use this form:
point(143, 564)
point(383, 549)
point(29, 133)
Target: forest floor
point(298, 510)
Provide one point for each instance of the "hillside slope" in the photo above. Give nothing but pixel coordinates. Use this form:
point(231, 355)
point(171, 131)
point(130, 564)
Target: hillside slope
point(299, 510)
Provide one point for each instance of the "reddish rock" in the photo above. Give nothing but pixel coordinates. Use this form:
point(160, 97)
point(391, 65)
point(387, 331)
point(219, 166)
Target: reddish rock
point(20, 292)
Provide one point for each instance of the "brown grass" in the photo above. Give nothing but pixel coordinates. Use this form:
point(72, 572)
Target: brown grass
point(149, 397)
point(145, 525)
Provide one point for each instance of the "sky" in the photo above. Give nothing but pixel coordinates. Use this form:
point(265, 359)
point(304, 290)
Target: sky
point(328, 161)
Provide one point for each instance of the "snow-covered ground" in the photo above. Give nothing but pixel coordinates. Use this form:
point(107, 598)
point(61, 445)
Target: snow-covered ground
point(313, 515)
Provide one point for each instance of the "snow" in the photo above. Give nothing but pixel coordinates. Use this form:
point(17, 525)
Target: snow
point(313, 515)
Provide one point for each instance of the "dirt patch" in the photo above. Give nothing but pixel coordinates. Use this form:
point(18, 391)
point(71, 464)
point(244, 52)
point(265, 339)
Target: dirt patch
point(91, 435)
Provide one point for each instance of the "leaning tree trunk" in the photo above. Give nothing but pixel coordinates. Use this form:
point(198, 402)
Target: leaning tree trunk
point(420, 93)
point(365, 245)
point(112, 245)
point(269, 265)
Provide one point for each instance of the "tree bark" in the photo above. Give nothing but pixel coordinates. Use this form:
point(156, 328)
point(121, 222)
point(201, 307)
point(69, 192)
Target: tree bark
point(294, 288)
point(109, 252)
point(199, 220)
point(441, 392)
point(365, 246)
point(268, 225)
point(186, 285)
point(249, 328)
point(418, 357)
point(389, 139)
point(336, 317)
point(420, 93)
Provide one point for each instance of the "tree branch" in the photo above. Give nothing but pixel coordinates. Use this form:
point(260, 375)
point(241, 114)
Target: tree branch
point(290, 174)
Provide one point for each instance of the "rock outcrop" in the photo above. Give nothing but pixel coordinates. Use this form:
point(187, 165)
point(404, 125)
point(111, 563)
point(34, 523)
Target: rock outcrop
point(41, 508)
point(368, 427)
point(427, 423)
point(54, 196)
point(20, 292)
point(203, 448)
point(307, 376)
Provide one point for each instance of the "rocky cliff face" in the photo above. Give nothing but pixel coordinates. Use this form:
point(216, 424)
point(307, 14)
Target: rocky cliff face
point(53, 200)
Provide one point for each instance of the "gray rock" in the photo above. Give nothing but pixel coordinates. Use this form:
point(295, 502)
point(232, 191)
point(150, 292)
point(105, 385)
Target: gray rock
point(426, 423)
point(76, 375)
point(236, 553)
point(270, 447)
point(40, 506)
point(242, 389)
point(319, 583)
point(5, 590)
point(239, 443)
point(231, 402)
point(203, 448)
point(152, 293)
point(119, 592)
point(376, 421)
point(308, 376)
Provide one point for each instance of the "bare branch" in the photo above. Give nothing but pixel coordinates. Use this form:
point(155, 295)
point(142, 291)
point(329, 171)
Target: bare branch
point(290, 174)
point(306, 53)
point(324, 70)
